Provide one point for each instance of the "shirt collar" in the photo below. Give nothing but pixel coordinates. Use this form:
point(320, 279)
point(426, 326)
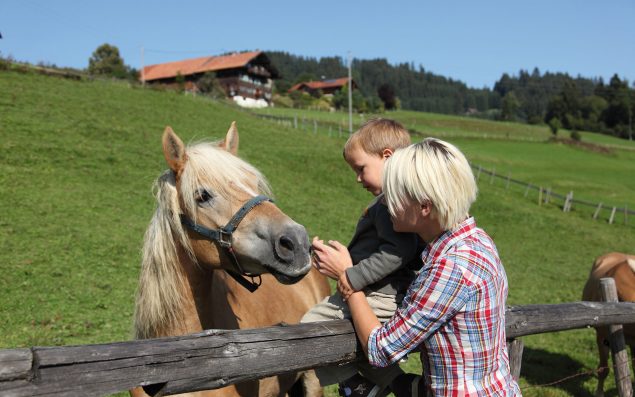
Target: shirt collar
point(448, 239)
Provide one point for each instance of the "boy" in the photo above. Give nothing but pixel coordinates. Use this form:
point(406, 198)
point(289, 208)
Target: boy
point(382, 261)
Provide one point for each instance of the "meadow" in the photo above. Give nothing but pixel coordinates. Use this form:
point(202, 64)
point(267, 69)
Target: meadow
point(78, 160)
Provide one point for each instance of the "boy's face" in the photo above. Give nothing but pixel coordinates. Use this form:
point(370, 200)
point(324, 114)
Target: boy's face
point(368, 168)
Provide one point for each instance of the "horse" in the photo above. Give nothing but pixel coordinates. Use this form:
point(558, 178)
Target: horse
point(622, 268)
point(197, 274)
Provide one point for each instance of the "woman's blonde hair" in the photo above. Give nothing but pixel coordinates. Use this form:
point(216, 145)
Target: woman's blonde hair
point(435, 172)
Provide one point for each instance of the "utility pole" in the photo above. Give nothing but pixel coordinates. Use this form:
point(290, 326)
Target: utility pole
point(350, 95)
point(143, 78)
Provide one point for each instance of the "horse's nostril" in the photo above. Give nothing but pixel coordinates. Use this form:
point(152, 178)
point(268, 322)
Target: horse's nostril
point(284, 248)
point(286, 243)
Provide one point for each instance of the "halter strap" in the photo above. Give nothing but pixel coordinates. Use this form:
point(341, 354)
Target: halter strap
point(224, 237)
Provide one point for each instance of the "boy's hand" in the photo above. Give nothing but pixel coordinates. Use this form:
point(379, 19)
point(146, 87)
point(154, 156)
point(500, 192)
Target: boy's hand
point(332, 259)
point(344, 286)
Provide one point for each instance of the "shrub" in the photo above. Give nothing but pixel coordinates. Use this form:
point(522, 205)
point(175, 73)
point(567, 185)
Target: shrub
point(554, 125)
point(282, 101)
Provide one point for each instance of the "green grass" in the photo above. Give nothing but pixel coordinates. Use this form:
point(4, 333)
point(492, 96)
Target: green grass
point(77, 162)
point(448, 126)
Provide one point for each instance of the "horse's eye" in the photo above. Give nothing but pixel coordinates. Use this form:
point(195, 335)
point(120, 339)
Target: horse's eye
point(203, 197)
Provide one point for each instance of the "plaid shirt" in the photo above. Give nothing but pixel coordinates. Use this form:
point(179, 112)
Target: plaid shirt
point(454, 312)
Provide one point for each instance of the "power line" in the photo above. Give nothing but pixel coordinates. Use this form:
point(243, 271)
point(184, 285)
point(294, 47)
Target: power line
point(183, 51)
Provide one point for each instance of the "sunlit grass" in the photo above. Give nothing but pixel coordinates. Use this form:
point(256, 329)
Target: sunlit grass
point(78, 159)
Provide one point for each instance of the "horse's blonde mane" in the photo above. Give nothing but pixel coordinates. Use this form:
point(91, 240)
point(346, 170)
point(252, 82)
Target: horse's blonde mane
point(159, 296)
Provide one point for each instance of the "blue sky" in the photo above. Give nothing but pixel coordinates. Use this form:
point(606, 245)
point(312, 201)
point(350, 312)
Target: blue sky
point(471, 41)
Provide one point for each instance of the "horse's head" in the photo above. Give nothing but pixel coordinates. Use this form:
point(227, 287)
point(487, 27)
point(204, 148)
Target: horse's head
point(210, 187)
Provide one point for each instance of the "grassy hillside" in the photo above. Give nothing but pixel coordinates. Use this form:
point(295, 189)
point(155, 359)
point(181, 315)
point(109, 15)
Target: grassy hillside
point(77, 162)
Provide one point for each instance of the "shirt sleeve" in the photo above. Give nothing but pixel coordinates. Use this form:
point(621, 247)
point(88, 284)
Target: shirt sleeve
point(438, 293)
point(394, 251)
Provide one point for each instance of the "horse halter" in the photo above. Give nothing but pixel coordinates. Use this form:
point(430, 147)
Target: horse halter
point(223, 236)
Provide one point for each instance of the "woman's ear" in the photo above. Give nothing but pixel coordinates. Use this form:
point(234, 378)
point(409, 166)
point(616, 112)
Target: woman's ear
point(386, 153)
point(426, 209)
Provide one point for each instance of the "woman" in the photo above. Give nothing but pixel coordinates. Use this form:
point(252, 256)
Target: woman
point(454, 310)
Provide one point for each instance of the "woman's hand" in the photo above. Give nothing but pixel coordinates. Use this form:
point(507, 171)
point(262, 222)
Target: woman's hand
point(344, 286)
point(331, 259)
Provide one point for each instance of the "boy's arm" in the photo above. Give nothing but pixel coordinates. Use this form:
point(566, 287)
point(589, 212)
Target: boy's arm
point(394, 251)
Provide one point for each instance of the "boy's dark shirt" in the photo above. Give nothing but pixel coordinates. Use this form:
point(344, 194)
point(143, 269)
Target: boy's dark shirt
point(383, 260)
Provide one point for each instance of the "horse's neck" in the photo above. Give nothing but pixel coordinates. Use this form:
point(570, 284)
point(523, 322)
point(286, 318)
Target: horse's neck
point(198, 309)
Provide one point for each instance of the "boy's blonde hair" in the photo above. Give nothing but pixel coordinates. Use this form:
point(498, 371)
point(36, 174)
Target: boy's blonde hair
point(376, 135)
point(435, 172)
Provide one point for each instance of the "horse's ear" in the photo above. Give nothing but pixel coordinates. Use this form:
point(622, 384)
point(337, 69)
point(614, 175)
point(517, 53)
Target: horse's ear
point(231, 140)
point(173, 150)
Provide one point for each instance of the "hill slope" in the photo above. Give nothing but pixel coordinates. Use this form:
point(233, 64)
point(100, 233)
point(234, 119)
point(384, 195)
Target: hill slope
point(77, 162)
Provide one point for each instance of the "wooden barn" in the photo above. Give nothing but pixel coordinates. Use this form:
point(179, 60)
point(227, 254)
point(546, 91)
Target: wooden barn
point(327, 87)
point(247, 77)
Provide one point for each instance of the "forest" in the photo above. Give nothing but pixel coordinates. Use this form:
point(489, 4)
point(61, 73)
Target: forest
point(556, 99)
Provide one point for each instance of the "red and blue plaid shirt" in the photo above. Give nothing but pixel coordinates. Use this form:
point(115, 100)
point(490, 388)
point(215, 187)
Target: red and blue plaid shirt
point(454, 313)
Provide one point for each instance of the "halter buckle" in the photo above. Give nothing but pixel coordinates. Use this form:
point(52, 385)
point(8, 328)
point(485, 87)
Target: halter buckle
point(224, 238)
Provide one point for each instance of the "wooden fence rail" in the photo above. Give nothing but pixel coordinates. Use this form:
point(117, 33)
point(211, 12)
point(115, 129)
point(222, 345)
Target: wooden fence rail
point(217, 358)
point(567, 199)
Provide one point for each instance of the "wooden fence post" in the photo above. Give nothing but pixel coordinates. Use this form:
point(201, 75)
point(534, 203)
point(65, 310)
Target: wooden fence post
point(567, 202)
point(295, 121)
point(612, 215)
point(597, 211)
point(618, 346)
point(515, 351)
point(527, 189)
point(540, 196)
point(478, 175)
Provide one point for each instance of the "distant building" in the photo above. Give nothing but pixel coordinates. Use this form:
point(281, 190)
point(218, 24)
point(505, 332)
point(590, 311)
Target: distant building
point(328, 87)
point(246, 77)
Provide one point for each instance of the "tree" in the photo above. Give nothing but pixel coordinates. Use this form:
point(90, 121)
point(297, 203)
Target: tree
point(510, 106)
point(618, 115)
point(209, 85)
point(387, 95)
point(554, 125)
point(106, 61)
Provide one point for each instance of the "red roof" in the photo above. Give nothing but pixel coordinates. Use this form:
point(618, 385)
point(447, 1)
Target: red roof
point(320, 85)
point(198, 65)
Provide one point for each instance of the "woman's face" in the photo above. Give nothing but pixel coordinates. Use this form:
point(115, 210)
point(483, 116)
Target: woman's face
point(417, 218)
point(408, 219)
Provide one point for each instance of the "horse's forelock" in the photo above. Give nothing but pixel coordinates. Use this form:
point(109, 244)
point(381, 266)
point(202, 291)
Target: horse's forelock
point(214, 168)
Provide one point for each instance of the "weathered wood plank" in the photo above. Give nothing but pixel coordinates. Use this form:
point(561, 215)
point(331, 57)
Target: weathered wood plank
point(217, 358)
point(618, 345)
point(15, 364)
point(515, 349)
point(212, 358)
point(537, 319)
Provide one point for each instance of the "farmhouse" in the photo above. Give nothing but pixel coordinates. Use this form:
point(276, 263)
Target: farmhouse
point(246, 77)
point(328, 87)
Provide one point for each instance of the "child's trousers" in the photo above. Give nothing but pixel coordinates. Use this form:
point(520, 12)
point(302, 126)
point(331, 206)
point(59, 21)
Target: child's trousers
point(334, 308)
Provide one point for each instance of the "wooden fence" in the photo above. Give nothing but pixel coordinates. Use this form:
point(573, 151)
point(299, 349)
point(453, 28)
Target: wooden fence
point(547, 195)
point(217, 358)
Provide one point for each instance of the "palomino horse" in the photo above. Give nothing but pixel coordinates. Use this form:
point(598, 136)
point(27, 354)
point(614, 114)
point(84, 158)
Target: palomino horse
point(210, 217)
point(622, 268)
